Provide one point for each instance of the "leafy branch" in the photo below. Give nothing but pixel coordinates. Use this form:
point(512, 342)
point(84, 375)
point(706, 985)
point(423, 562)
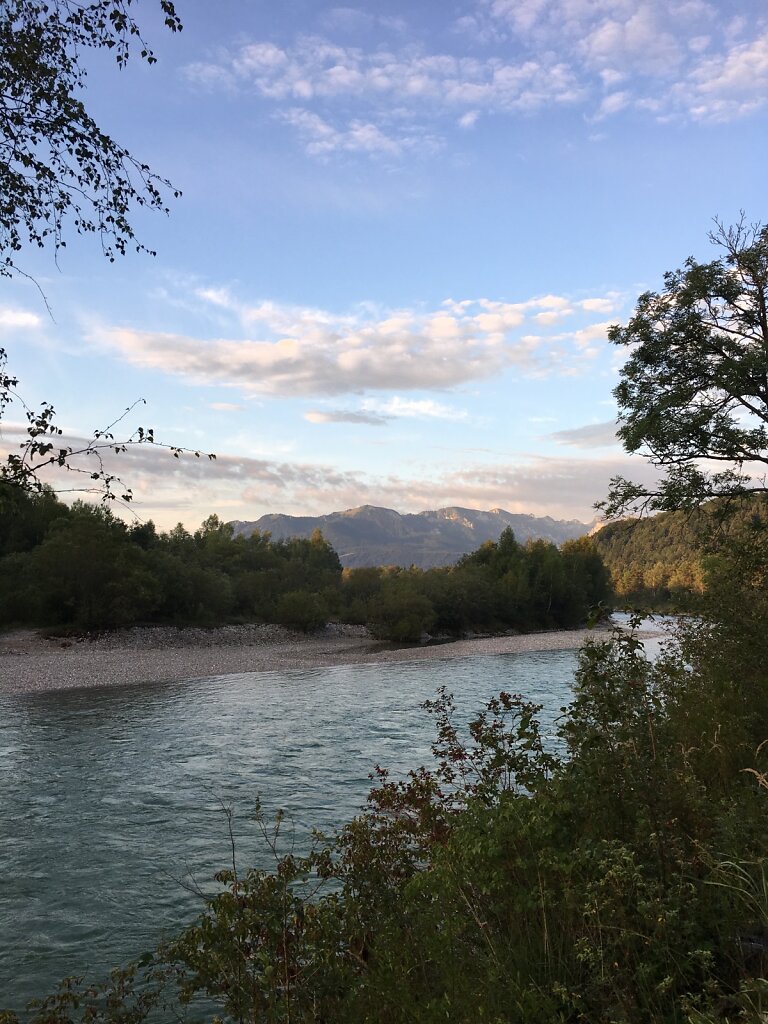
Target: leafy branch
point(45, 448)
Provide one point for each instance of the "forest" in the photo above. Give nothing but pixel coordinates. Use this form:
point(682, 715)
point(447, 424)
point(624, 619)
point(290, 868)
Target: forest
point(79, 567)
point(667, 561)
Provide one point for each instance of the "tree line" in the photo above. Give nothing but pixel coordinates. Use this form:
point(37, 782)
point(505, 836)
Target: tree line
point(80, 566)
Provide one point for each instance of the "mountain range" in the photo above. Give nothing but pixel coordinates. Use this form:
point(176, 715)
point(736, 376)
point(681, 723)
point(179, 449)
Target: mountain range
point(369, 535)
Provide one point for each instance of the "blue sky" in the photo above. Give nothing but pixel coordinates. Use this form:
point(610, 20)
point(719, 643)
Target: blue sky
point(404, 231)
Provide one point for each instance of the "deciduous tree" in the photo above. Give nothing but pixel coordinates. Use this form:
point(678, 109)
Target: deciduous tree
point(57, 164)
point(693, 394)
point(59, 169)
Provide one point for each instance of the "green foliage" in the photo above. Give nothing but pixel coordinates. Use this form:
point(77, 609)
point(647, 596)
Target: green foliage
point(56, 164)
point(693, 386)
point(399, 612)
point(299, 609)
point(671, 559)
point(82, 567)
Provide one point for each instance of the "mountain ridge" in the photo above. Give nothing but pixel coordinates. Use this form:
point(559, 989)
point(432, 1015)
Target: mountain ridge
point(369, 535)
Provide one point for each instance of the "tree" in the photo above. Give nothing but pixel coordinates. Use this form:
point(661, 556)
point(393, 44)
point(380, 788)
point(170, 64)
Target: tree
point(58, 167)
point(694, 390)
point(56, 163)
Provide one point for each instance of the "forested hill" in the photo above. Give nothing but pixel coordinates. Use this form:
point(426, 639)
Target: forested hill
point(369, 536)
point(667, 558)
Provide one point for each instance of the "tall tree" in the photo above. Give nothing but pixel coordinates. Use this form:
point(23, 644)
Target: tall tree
point(693, 394)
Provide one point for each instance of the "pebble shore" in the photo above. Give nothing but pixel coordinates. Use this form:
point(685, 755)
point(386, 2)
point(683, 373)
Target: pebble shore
point(33, 663)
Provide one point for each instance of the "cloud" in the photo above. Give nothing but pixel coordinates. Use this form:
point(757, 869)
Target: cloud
point(238, 487)
point(728, 86)
point(342, 416)
point(594, 435)
point(377, 412)
point(613, 103)
point(225, 406)
point(685, 60)
point(689, 60)
point(158, 480)
point(640, 42)
point(397, 407)
point(396, 91)
point(600, 305)
point(665, 59)
point(356, 136)
point(595, 332)
point(14, 318)
point(298, 351)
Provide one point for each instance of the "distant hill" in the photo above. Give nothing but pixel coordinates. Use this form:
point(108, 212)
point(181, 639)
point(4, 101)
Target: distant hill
point(369, 535)
point(661, 559)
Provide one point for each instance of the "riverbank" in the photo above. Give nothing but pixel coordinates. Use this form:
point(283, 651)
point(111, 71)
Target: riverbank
point(31, 662)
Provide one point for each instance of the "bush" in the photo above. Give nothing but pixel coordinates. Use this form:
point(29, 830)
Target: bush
point(301, 610)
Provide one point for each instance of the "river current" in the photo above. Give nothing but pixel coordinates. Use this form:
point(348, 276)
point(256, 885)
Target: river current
point(112, 800)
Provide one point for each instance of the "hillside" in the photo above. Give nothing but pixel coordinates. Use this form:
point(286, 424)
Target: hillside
point(369, 536)
point(664, 557)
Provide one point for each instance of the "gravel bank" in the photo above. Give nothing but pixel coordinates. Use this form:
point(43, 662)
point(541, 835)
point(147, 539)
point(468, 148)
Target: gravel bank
point(32, 663)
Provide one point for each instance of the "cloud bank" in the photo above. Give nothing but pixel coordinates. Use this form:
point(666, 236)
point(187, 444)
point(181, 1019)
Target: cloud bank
point(301, 352)
point(168, 489)
point(594, 435)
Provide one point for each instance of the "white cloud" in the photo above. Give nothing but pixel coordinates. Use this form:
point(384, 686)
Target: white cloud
point(692, 60)
point(14, 318)
point(425, 408)
point(295, 351)
point(600, 305)
point(397, 89)
point(469, 120)
point(731, 85)
point(356, 136)
point(613, 103)
point(378, 412)
point(664, 59)
point(595, 332)
point(639, 42)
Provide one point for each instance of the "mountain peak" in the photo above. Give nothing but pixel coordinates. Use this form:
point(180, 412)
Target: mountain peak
point(373, 535)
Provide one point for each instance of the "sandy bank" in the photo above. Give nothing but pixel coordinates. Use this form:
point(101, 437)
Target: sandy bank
point(31, 663)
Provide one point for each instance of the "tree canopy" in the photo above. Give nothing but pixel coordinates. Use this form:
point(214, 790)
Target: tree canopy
point(693, 394)
point(57, 165)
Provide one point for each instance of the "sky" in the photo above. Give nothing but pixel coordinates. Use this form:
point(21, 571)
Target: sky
point(404, 231)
